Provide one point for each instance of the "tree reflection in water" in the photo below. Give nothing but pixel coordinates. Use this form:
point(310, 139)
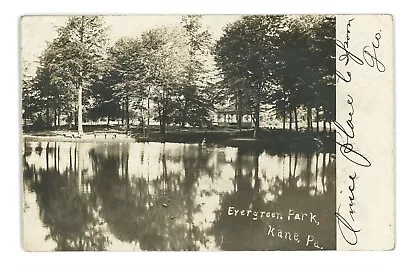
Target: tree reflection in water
point(296, 191)
point(155, 196)
point(69, 213)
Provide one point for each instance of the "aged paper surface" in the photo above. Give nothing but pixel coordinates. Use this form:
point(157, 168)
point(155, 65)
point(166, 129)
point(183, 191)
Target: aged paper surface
point(207, 133)
point(370, 56)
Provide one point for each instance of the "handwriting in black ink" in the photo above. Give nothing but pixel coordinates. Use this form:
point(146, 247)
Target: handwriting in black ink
point(346, 148)
point(346, 43)
point(370, 57)
point(349, 233)
point(342, 77)
point(347, 54)
point(352, 187)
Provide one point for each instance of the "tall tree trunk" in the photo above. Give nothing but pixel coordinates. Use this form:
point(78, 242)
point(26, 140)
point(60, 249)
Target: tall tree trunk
point(324, 119)
point(240, 111)
point(55, 118)
point(296, 123)
point(122, 113)
point(309, 118)
point(317, 119)
point(59, 117)
point(80, 117)
point(162, 117)
point(76, 118)
point(290, 120)
point(127, 114)
point(148, 116)
point(162, 121)
point(162, 125)
point(108, 120)
point(48, 118)
point(284, 120)
point(142, 115)
point(80, 84)
point(257, 120)
point(185, 117)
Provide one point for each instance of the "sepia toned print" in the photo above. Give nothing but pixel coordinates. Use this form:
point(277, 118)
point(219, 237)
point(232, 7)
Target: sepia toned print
point(182, 133)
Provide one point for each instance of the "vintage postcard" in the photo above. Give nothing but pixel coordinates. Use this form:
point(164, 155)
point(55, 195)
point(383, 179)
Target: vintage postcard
point(207, 132)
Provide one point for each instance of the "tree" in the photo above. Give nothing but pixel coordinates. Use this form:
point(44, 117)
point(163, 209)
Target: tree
point(294, 65)
point(195, 96)
point(324, 37)
point(30, 96)
point(79, 53)
point(57, 91)
point(165, 61)
point(104, 103)
point(126, 74)
point(302, 64)
point(308, 67)
point(247, 52)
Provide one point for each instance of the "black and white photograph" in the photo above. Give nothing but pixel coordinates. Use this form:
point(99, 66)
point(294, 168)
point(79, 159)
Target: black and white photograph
point(178, 132)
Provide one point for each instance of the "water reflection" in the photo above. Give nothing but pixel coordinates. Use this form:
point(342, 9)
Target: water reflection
point(165, 196)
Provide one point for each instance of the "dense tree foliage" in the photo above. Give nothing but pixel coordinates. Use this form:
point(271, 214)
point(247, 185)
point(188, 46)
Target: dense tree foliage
point(165, 62)
point(68, 67)
point(168, 74)
point(196, 96)
point(247, 54)
point(283, 62)
point(30, 96)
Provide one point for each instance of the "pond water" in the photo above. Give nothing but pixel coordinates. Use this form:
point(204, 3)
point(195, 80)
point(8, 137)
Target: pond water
point(173, 196)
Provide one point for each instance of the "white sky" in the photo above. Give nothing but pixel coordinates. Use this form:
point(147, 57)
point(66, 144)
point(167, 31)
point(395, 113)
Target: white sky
point(37, 30)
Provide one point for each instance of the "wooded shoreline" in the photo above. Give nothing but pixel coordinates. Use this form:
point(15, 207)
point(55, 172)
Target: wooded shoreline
point(276, 69)
point(272, 139)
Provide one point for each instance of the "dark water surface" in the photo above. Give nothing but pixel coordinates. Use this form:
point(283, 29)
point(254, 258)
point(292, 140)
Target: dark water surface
point(171, 196)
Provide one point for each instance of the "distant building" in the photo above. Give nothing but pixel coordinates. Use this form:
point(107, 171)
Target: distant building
point(228, 116)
